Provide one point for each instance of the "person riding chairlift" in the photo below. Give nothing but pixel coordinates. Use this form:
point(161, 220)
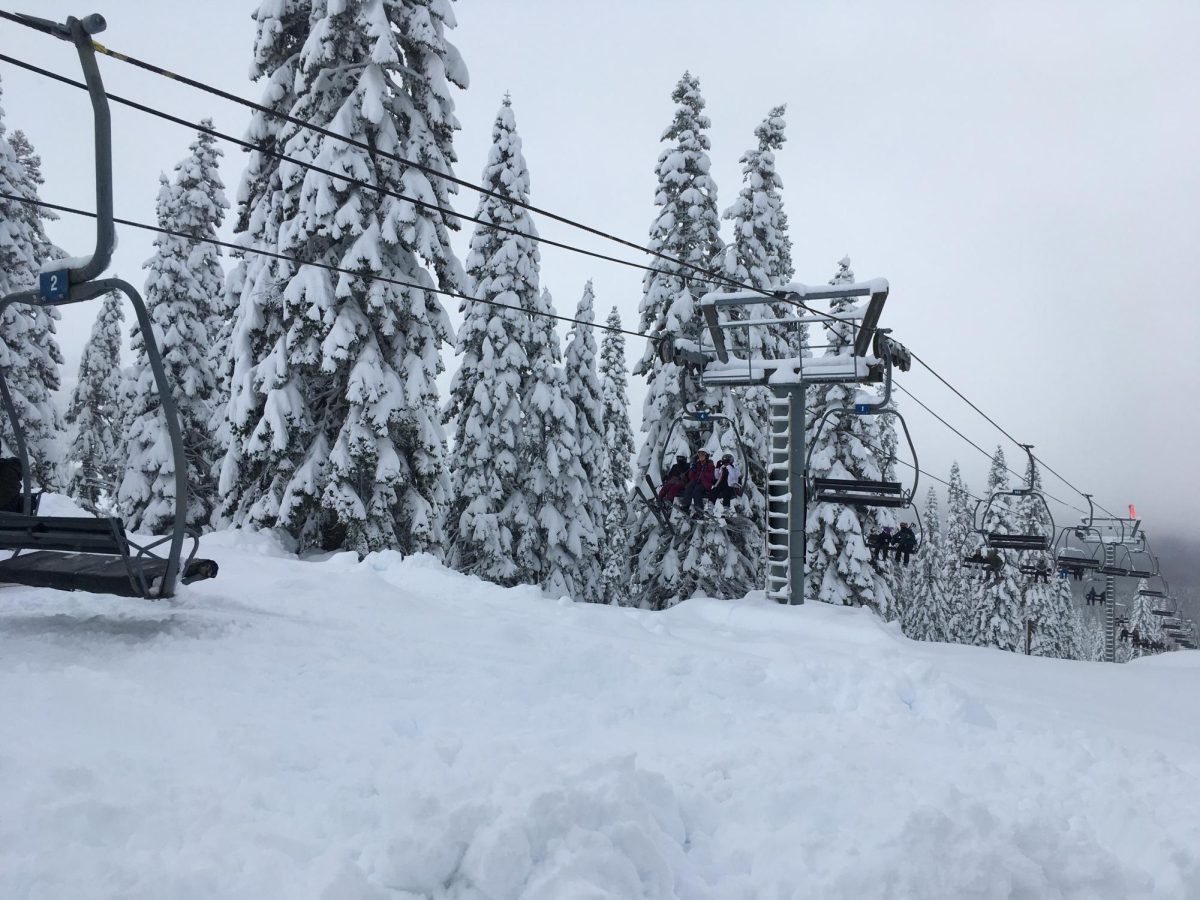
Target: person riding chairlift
point(905, 542)
point(701, 476)
point(992, 561)
point(728, 482)
point(674, 480)
point(11, 481)
point(880, 542)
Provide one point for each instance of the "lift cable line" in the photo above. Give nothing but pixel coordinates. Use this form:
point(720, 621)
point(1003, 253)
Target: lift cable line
point(363, 145)
point(1010, 470)
point(707, 275)
point(366, 276)
point(1007, 434)
point(143, 226)
point(700, 271)
point(346, 179)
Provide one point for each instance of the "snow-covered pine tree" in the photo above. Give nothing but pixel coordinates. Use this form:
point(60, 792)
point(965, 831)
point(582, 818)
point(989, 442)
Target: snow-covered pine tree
point(702, 559)
point(758, 256)
point(618, 438)
point(586, 394)
point(553, 546)
point(999, 619)
point(29, 352)
point(1046, 604)
point(95, 413)
point(184, 285)
point(333, 412)
point(838, 568)
point(253, 292)
point(1142, 622)
point(924, 616)
point(760, 253)
point(960, 584)
point(489, 507)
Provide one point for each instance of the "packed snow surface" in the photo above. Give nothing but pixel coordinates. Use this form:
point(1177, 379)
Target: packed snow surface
point(337, 729)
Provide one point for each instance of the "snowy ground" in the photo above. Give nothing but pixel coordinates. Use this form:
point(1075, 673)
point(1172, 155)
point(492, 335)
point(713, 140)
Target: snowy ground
point(390, 729)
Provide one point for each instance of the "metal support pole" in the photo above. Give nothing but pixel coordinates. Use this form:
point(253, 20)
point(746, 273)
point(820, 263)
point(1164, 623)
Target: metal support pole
point(1110, 605)
point(798, 503)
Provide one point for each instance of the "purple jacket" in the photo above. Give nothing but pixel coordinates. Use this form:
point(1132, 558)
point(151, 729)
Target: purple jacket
point(704, 472)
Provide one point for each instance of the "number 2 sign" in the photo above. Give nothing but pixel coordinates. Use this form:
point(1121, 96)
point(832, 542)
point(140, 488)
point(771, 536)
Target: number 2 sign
point(54, 285)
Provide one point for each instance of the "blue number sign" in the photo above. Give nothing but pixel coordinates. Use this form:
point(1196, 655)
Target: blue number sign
point(54, 285)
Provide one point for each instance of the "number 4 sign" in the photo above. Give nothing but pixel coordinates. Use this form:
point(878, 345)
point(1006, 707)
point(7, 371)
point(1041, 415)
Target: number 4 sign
point(54, 285)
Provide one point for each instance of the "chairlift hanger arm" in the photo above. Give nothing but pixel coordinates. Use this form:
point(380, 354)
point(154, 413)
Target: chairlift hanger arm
point(79, 32)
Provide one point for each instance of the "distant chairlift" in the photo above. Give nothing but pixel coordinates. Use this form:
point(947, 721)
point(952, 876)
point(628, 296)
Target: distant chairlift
point(987, 554)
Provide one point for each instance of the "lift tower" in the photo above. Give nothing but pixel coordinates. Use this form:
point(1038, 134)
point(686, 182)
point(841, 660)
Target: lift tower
point(868, 360)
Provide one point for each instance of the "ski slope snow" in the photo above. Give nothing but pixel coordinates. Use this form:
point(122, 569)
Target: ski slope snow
point(336, 729)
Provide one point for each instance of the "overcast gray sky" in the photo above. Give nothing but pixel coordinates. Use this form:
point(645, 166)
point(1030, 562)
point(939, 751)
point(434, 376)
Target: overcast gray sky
point(1025, 174)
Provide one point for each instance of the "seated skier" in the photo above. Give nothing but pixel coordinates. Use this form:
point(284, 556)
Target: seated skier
point(701, 476)
point(674, 480)
point(728, 483)
point(880, 542)
point(11, 483)
point(905, 543)
point(992, 561)
point(1043, 572)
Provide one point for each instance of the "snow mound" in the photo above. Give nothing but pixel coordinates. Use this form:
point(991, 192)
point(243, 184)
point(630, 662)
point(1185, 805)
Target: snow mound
point(608, 831)
point(336, 730)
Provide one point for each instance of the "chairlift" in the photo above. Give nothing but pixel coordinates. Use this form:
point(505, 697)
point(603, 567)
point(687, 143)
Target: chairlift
point(70, 553)
point(695, 417)
point(1165, 607)
point(998, 540)
point(858, 492)
point(1137, 561)
point(1154, 591)
point(1078, 548)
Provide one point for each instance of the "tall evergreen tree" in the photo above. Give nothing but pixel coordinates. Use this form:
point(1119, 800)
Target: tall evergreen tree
point(960, 585)
point(184, 286)
point(253, 294)
point(758, 256)
point(1144, 624)
point(927, 611)
point(1048, 605)
point(686, 229)
point(999, 612)
point(618, 438)
point(95, 414)
point(490, 508)
point(838, 565)
point(334, 432)
point(29, 354)
point(585, 393)
point(1060, 635)
point(560, 533)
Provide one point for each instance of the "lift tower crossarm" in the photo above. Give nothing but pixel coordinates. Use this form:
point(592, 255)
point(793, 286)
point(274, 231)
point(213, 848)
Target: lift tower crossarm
point(799, 294)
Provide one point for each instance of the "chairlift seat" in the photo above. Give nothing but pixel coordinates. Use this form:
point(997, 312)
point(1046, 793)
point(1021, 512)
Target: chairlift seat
point(858, 492)
point(1018, 541)
point(86, 554)
point(1077, 562)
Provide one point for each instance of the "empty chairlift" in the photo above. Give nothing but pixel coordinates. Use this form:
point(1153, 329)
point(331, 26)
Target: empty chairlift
point(1031, 540)
point(82, 553)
